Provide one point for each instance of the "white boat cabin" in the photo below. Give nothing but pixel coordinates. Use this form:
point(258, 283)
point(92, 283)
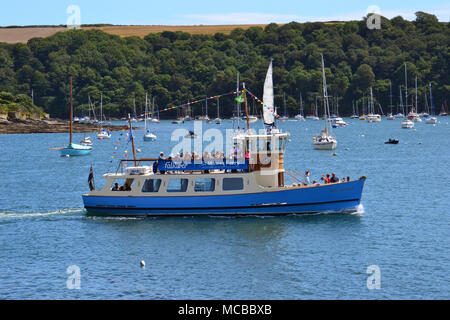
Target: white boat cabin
point(258, 167)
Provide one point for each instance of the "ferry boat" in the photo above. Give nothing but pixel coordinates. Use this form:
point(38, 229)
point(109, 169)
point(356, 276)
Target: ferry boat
point(253, 184)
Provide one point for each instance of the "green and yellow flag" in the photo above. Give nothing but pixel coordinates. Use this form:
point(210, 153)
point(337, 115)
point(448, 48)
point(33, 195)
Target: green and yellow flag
point(240, 99)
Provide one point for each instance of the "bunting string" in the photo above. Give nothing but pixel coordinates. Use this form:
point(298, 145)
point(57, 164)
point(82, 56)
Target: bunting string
point(248, 92)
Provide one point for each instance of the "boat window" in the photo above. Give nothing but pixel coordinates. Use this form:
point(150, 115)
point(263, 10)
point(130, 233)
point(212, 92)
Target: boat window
point(205, 185)
point(177, 185)
point(151, 185)
point(122, 185)
point(232, 184)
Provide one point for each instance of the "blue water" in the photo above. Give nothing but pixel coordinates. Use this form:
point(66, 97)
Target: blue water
point(402, 225)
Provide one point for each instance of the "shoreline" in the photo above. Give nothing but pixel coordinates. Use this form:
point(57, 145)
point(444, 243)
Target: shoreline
point(51, 126)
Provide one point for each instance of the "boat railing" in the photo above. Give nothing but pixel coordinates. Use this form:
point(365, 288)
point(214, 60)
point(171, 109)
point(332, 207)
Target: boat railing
point(205, 165)
point(137, 163)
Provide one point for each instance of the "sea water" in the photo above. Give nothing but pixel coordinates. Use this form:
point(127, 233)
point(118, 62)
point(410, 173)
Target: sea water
point(399, 238)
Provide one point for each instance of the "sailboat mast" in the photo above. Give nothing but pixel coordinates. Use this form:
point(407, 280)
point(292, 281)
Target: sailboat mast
point(238, 105)
point(246, 109)
point(132, 140)
point(145, 112)
point(406, 88)
point(390, 95)
point(431, 100)
point(325, 95)
point(71, 112)
point(218, 114)
point(417, 106)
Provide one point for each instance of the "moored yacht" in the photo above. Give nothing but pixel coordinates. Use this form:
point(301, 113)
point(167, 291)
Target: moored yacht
point(324, 140)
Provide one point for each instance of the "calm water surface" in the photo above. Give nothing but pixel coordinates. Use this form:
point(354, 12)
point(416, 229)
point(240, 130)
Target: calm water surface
point(402, 225)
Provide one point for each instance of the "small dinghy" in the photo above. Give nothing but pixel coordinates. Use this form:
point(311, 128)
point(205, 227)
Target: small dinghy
point(391, 141)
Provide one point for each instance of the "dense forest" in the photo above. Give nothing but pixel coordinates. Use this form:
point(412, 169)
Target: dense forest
point(174, 67)
point(20, 103)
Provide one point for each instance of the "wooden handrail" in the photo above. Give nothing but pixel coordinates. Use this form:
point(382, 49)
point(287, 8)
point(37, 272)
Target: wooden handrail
point(294, 177)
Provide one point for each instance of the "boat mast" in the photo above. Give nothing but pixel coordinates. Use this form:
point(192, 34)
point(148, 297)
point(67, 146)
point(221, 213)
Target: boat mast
point(246, 109)
point(431, 100)
point(132, 140)
point(406, 88)
point(325, 95)
point(390, 95)
point(417, 106)
point(145, 112)
point(71, 112)
point(218, 114)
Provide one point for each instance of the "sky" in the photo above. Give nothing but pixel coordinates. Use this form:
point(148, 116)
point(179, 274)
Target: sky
point(196, 12)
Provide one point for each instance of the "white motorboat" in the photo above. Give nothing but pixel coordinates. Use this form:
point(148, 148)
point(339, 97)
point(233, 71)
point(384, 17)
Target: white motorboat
point(431, 120)
point(407, 124)
point(103, 134)
point(337, 121)
point(86, 141)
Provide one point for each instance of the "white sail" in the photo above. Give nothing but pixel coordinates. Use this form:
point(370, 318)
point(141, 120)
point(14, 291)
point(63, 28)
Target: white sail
point(269, 114)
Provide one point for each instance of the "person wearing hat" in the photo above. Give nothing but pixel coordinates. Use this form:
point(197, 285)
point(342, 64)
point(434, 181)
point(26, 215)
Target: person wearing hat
point(161, 157)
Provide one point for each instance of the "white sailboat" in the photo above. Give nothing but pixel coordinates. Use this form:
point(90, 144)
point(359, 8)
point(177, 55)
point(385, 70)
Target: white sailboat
point(372, 116)
point(148, 136)
point(413, 115)
point(103, 133)
point(300, 116)
point(324, 140)
point(431, 119)
point(218, 120)
point(354, 115)
point(269, 113)
point(314, 116)
point(284, 117)
point(154, 120)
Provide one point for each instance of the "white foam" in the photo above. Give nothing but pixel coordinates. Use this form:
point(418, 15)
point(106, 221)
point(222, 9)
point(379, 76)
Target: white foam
point(22, 215)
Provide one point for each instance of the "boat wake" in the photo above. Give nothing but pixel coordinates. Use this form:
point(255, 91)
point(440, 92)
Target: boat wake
point(359, 210)
point(23, 215)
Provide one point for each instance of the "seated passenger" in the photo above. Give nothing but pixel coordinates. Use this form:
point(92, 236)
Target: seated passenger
point(334, 179)
point(116, 187)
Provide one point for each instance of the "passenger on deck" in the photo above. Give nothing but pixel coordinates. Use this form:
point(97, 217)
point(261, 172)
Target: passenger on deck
point(247, 159)
point(326, 179)
point(307, 177)
point(161, 157)
point(334, 179)
point(126, 187)
point(116, 187)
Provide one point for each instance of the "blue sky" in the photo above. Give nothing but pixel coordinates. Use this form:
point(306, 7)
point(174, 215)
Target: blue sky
point(188, 12)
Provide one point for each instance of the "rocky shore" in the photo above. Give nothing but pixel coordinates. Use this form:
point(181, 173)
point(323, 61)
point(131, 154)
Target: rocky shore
point(49, 126)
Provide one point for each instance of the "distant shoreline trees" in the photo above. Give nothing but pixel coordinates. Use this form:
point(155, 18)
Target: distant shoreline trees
point(177, 67)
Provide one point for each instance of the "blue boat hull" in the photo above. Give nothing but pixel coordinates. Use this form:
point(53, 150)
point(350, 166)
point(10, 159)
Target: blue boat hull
point(76, 150)
point(342, 197)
